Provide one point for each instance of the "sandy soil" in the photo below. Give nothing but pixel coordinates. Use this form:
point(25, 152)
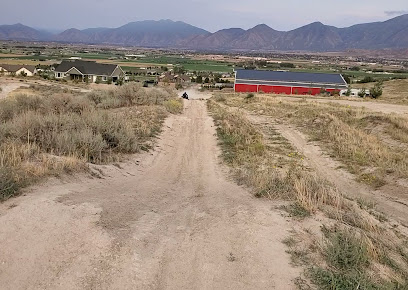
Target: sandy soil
point(170, 219)
point(373, 106)
point(8, 85)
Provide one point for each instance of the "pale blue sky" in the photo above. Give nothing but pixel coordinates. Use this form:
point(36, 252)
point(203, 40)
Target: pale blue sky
point(208, 14)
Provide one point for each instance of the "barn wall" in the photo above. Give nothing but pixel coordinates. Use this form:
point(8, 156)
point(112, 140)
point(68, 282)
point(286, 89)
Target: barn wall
point(241, 88)
point(287, 90)
point(305, 91)
point(275, 89)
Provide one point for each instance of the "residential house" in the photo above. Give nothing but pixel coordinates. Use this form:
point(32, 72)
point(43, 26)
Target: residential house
point(17, 70)
point(90, 71)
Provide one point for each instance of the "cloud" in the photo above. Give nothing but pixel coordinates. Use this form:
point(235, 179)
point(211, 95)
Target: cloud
point(396, 12)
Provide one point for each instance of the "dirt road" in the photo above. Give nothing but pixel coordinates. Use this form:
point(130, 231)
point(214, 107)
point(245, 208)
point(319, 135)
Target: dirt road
point(393, 203)
point(8, 85)
point(373, 106)
point(170, 219)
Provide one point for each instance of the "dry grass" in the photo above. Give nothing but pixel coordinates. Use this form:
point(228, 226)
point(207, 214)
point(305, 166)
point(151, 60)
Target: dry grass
point(50, 133)
point(394, 91)
point(360, 249)
point(257, 166)
point(351, 135)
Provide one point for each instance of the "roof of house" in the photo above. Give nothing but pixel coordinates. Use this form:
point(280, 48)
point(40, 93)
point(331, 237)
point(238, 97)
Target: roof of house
point(261, 77)
point(16, 67)
point(87, 67)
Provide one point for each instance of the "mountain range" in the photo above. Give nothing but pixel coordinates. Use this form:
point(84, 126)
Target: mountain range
point(316, 36)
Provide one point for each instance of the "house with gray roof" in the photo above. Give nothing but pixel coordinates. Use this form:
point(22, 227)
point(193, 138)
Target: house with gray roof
point(90, 71)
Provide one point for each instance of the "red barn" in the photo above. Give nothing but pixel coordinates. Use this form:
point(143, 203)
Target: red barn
point(279, 82)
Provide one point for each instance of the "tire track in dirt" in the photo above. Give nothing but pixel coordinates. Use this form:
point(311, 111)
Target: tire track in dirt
point(372, 106)
point(393, 206)
point(173, 221)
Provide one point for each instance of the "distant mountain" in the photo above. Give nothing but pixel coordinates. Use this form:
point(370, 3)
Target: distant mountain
point(163, 33)
point(316, 36)
point(22, 32)
point(218, 40)
point(392, 33)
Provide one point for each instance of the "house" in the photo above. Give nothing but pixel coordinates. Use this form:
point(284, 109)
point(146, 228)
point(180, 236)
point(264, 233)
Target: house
point(17, 70)
point(90, 71)
point(283, 82)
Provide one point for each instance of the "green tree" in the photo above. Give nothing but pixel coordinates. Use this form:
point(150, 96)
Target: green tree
point(98, 80)
point(377, 90)
point(362, 93)
point(348, 92)
point(207, 80)
point(199, 79)
point(120, 81)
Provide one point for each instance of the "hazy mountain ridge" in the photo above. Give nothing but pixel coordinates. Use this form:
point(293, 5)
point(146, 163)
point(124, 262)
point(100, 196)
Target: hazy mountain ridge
point(316, 36)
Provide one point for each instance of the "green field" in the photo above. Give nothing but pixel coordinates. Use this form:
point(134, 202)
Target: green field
point(188, 64)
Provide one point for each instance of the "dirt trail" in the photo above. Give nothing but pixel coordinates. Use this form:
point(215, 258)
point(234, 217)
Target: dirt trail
point(170, 219)
point(394, 203)
point(373, 106)
point(8, 85)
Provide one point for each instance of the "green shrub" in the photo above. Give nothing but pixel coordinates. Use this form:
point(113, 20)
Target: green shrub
point(362, 93)
point(346, 252)
point(249, 96)
point(377, 90)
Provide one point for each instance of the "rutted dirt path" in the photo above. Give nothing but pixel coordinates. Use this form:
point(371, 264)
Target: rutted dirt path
point(170, 219)
point(373, 106)
point(394, 204)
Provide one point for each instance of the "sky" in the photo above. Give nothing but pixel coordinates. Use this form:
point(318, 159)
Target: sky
point(211, 15)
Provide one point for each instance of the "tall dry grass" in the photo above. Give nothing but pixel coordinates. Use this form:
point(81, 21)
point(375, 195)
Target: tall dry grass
point(359, 249)
point(52, 133)
point(255, 165)
point(366, 142)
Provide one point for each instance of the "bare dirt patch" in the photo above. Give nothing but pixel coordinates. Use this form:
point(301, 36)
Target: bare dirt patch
point(169, 220)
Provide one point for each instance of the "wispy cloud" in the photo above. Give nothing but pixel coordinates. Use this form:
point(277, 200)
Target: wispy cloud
point(396, 12)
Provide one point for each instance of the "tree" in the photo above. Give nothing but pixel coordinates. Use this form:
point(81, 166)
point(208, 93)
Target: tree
point(377, 90)
point(199, 79)
point(287, 65)
point(207, 80)
point(109, 81)
point(98, 80)
point(348, 92)
point(120, 81)
point(362, 93)
point(367, 79)
point(347, 79)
